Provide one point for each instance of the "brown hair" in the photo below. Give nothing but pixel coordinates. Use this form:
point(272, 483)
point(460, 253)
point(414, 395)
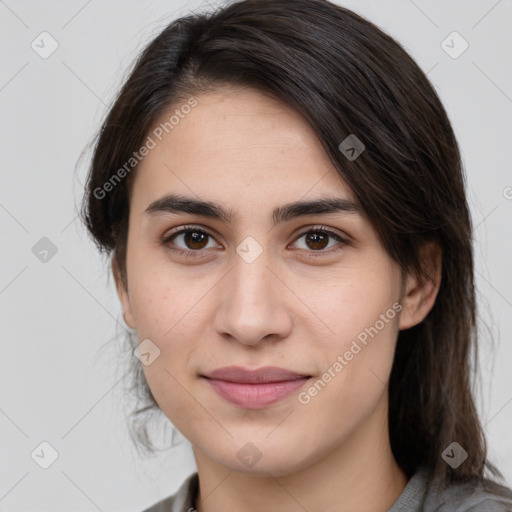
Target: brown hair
point(345, 76)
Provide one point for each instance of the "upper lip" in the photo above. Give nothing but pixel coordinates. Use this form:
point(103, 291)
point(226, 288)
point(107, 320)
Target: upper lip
point(258, 375)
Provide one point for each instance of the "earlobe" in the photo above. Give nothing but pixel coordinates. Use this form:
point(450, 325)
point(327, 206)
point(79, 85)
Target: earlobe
point(421, 292)
point(124, 298)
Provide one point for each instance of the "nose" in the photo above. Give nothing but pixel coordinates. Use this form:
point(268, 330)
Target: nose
point(253, 303)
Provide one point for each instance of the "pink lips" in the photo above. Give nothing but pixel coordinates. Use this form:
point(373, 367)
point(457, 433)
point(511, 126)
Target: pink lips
point(254, 389)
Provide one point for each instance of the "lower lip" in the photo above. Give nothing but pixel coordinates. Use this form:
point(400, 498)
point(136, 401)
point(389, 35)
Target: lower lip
point(255, 396)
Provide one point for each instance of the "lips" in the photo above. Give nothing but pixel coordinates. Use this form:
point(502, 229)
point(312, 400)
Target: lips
point(258, 376)
point(254, 389)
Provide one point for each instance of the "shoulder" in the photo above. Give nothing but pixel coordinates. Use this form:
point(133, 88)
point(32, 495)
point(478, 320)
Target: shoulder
point(422, 494)
point(468, 497)
point(183, 500)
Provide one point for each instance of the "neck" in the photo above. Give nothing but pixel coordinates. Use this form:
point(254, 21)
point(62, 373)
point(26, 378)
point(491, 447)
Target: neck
point(359, 475)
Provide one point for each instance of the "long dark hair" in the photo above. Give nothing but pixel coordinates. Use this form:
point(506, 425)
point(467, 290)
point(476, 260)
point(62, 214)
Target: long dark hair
point(345, 76)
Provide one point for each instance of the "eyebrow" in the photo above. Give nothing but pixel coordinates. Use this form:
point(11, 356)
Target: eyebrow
point(176, 203)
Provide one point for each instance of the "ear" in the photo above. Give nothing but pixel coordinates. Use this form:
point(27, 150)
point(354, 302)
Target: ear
point(420, 293)
point(122, 293)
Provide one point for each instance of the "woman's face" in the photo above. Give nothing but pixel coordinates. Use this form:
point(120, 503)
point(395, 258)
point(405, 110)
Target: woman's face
point(260, 289)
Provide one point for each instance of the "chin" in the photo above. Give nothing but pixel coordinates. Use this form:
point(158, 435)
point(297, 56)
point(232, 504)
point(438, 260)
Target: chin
point(261, 458)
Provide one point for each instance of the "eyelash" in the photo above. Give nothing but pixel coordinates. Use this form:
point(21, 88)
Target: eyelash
point(200, 253)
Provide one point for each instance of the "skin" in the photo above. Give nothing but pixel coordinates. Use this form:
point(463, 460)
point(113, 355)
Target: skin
point(251, 154)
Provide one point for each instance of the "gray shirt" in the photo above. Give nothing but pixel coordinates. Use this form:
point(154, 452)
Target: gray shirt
point(418, 496)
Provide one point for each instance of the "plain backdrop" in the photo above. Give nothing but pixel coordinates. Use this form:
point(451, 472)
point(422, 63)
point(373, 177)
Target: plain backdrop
point(61, 373)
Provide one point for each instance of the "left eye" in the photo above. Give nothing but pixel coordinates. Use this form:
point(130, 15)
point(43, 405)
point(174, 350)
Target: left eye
point(318, 239)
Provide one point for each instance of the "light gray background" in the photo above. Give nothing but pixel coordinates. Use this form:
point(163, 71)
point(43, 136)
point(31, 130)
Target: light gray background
point(61, 375)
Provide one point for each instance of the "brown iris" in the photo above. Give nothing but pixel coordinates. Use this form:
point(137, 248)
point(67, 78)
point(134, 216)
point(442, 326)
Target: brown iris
point(318, 240)
point(194, 239)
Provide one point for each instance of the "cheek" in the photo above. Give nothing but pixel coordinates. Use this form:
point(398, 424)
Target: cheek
point(360, 357)
point(150, 306)
point(158, 299)
point(173, 393)
point(353, 383)
point(352, 300)
point(167, 318)
point(171, 317)
point(362, 315)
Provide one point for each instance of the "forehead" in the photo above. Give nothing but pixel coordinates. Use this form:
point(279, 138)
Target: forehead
point(236, 142)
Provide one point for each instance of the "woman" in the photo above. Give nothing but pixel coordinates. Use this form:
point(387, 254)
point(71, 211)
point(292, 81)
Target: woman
point(282, 194)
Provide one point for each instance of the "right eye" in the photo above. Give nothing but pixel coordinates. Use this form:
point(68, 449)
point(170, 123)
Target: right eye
point(194, 241)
